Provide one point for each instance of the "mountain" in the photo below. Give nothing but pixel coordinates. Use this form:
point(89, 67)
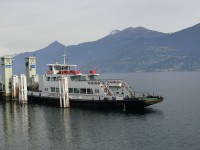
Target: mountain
point(179, 51)
point(50, 54)
point(129, 50)
point(114, 32)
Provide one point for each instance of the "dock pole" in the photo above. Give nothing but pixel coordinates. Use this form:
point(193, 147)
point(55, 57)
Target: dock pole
point(15, 87)
point(22, 88)
point(63, 88)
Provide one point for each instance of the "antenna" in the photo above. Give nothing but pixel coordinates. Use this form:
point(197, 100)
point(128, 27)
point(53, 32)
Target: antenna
point(65, 57)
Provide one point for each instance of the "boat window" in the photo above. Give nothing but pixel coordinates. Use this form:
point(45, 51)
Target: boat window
point(89, 91)
point(48, 78)
point(96, 90)
point(58, 67)
point(70, 90)
point(82, 78)
point(58, 78)
point(91, 77)
point(66, 68)
point(72, 78)
point(54, 79)
point(83, 90)
point(46, 89)
point(50, 68)
point(53, 89)
point(57, 90)
point(76, 90)
point(78, 78)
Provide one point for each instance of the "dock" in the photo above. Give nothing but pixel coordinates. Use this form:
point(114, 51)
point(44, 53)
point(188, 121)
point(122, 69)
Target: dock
point(18, 87)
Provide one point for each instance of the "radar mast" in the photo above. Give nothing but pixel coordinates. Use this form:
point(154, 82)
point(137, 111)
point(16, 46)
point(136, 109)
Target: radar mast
point(65, 57)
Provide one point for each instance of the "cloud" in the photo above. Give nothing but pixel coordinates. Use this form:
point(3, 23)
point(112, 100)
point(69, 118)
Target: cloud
point(31, 25)
point(5, 51)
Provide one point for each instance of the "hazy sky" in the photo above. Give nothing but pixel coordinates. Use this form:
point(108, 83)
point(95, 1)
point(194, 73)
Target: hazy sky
point(28, 25)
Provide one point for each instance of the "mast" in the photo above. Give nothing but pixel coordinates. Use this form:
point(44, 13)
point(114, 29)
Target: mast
point(65, 57)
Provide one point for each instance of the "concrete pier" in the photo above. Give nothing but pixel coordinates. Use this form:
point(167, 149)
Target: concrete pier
point(14, 87)
point(30, 67)
point(6, 85)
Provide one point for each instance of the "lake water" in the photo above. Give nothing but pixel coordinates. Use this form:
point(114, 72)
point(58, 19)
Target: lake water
point(173, 124)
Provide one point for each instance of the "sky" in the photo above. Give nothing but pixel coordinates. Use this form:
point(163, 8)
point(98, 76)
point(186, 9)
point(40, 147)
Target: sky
point(29, 25)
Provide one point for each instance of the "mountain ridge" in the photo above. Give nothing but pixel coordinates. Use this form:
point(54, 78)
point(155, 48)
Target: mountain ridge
point(130, 50)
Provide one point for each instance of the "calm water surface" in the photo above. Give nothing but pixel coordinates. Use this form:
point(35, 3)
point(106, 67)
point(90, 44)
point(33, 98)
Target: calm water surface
point(172, 124)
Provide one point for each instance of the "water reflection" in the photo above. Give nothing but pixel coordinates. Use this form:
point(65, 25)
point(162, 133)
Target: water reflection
point(7, 128)
point(56, 126)
point(145, 111)
point(168, 124)
point(15, 123)
point(134, 112)
point(35, 126)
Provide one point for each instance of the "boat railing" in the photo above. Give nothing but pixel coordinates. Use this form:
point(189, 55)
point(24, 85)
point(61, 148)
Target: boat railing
point(104, 86)
point(129, 88)
point(141, 94)
point(146, 94)
point(120, 82)
point(106, 89)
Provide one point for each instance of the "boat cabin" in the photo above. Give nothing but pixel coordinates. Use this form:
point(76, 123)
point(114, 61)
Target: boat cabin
point(66, 69)
point(62, 69)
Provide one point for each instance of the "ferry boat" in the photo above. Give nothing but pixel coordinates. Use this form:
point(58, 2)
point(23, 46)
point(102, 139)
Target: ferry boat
point(85, 90)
